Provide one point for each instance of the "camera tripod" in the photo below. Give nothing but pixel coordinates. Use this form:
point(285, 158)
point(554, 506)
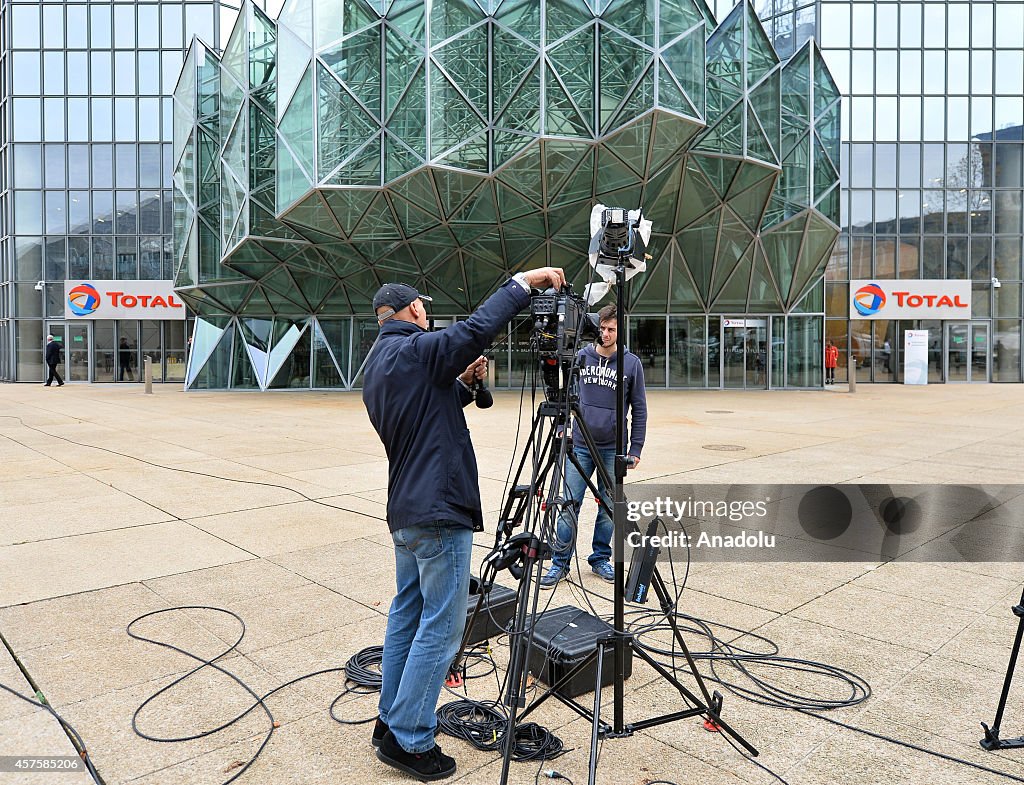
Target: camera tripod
point(992, 741)
point(526, 552)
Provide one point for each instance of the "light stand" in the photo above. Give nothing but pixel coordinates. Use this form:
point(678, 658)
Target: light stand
point(992, 741)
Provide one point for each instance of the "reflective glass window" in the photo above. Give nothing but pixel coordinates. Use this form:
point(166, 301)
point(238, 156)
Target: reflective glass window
point(1009, 72)
point(981, 24)
point(170, 66)
point(1010, 25)
point(1007, 159)
point(863, 24)
point(910, 165)
point(53, 73)
point(77, 26)
point(170, 31)
point(53, 117)
point(885, 209)
point(862, 118)
point(886, 73)
point(860, 165)
point(100, 75)
point(24, 26)
point(150, 115)
point(28, 167)
point(149, 212)
point(933, 127)
point(28, 255)
point(102, 166)
point(126, 210)
point(150, 166)
point(1009, 111)
point(835, 25)
point(910, 117)
point(78, 73)
point(124, 73)
point(27, 127)
point(149, 73)
point(959, 26)
point(55, 165)
point(149, 26)
point(934, 72)
point(909, 206)
point(25, 66)
point(126, 258)
point(102, 119)
point(124, 120)
point(1007, 258)
point(124, 26)
point(860, 211)
point(99, 26)
point(933, 206)
point(957, 111)
point(863, 77)
point(981, 71)
point(981, 115)
point(102, 258)
point(78, 166)
point(959, 72)
point(55, 266)
point(910, 71)
point(125, 164)
point(78, 119)
point(79, 212)
point(102, 213)
point(887, 25)
point(910, 24)
point(935, 25)
point(885, 165)
point(199, 21)
point(886, 114)
point(28, 212)
point(53, 26)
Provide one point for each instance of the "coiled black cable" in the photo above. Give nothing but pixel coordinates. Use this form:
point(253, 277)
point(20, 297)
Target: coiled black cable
point(484, 723)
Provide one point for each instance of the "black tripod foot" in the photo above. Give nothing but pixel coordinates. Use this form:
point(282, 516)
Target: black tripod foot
point(992, 741)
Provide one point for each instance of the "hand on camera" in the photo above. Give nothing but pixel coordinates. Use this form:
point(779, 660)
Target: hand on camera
point(543, 277)
point(632, 462)
point(475, 370)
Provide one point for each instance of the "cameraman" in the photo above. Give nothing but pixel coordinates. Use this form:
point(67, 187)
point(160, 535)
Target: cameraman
point(414, 390)
point(597, 387)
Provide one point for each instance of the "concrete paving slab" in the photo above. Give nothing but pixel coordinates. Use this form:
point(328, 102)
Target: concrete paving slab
point(336, 559)
point(38, 735)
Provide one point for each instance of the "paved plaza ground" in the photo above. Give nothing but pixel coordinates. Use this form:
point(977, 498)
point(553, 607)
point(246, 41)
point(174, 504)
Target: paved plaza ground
point(114, 504)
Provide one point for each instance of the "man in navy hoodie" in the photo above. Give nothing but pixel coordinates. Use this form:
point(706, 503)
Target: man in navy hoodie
point(597, 388)
point(414, 391)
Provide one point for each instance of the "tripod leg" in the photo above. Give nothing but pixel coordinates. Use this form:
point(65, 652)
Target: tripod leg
point(991, 740)
point(592, 778)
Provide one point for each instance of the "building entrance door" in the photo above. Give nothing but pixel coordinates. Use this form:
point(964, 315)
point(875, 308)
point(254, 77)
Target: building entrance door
point(967, 355)
point(744, 353)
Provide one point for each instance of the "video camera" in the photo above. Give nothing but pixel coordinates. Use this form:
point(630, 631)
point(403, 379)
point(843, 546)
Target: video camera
point(561, 324)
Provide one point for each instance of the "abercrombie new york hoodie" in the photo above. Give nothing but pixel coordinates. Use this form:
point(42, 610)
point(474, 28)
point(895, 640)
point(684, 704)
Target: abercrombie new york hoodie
point(597, 398)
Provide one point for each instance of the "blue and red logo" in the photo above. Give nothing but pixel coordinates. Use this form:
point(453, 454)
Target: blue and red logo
point(83, 299)
point(868, 300)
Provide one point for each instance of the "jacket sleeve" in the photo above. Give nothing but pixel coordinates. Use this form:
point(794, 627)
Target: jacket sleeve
point(447, 352)
point(638, 407)
point(465, 394)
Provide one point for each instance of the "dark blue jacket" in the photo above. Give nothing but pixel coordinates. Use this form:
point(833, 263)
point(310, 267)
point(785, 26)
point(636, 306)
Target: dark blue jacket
point(597, 385)
point(413, 400)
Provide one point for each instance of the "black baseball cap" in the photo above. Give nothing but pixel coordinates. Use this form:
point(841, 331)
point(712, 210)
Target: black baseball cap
point(395, 296)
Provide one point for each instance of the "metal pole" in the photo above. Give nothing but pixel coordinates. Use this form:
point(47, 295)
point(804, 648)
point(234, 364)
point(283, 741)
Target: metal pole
point(852, 372)
point(147, 373)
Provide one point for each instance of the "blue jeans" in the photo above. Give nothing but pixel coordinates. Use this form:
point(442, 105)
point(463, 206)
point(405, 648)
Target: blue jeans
point(575, 492)
point(425, 626)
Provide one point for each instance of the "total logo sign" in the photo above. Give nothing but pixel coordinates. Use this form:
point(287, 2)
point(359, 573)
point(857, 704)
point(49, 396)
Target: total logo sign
point(910, 299)
point(121, 300)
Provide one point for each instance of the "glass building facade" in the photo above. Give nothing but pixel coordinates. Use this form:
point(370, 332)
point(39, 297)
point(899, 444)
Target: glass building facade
point(85, 174)
point(932, 174)
point(447, 144)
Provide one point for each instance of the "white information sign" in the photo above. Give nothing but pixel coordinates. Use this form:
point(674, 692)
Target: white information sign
point(915, 357)
point(121, 300)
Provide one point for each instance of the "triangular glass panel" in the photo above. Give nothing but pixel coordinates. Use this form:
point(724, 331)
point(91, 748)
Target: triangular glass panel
point(206, 335)
point(481, 208)
point(612, 173)
point(280, 283)
point(523, 174)
point(292, 57)
point(678, 16)
point(671, 136)
point(750, 204)
point(409, 120)
point(399, 159)
point(829, 204)
point(733, 243)
point(719, 171)
point(639, 102)
point(573, 60)
point(453, 119)
point(564, 16)
point(243, 375)
point(661, 195)
point(336, 302)
point(450, 17)
point(419, 190)
point(465, 60)
point(481, 281)
point(404, 62)
point(825, 175)
point(725, 63)
point(411, 219)
point(471, 154)
point(794, 185)
point(511, 204)
point(364, 168)
point(255, 334)
point(765, 102)
point(571, 225)
point(671, 97)
point(580, 184)
point(334, 21)
point(378, 223)
point(331, 338)
point(761, 57)
point(814, 254)
point(293, 369)
point(827, 129)
point(409, 17)
point(757, 143)
point(811, 300)
point(312, 213)
point(314, 288)
point(523, 16)
point(212, 372)
point(231, 296)
point(347, 206)
point(732, 296)
point(399, 261)
point(292, 180)
point(683, 295)
point(343, 126)
point(654, 294)
point(825, 90)
point(698, 198)
point(685, 60)
point(633, 18)
point(433, 247)
point(560, 160)
point(630, 144)
point(764, 297)
point(256, 304)
point(781, 246)
point(698, 244)
point(725, 136)
point(286, 335)
point(523, 112)
point(513, 59)
point(796, 85)
point(563, 118)
point(621, 64)
point(507, 145)
point(455, 188)
point(747, 175)
point(486, 248)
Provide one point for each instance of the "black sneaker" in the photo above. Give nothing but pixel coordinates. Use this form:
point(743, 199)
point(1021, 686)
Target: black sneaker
point(425, 766)
point(379, 729)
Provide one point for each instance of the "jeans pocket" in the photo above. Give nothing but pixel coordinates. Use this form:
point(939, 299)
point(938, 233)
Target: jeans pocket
point(424, 541)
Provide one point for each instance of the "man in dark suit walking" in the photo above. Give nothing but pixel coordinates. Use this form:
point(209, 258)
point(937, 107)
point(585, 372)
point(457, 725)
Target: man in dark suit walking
point(53, 360)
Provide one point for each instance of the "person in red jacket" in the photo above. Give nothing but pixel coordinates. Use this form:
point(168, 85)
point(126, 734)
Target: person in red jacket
point(831, 361)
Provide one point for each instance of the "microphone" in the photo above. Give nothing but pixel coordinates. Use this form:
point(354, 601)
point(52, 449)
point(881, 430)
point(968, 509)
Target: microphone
point(484, 399)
